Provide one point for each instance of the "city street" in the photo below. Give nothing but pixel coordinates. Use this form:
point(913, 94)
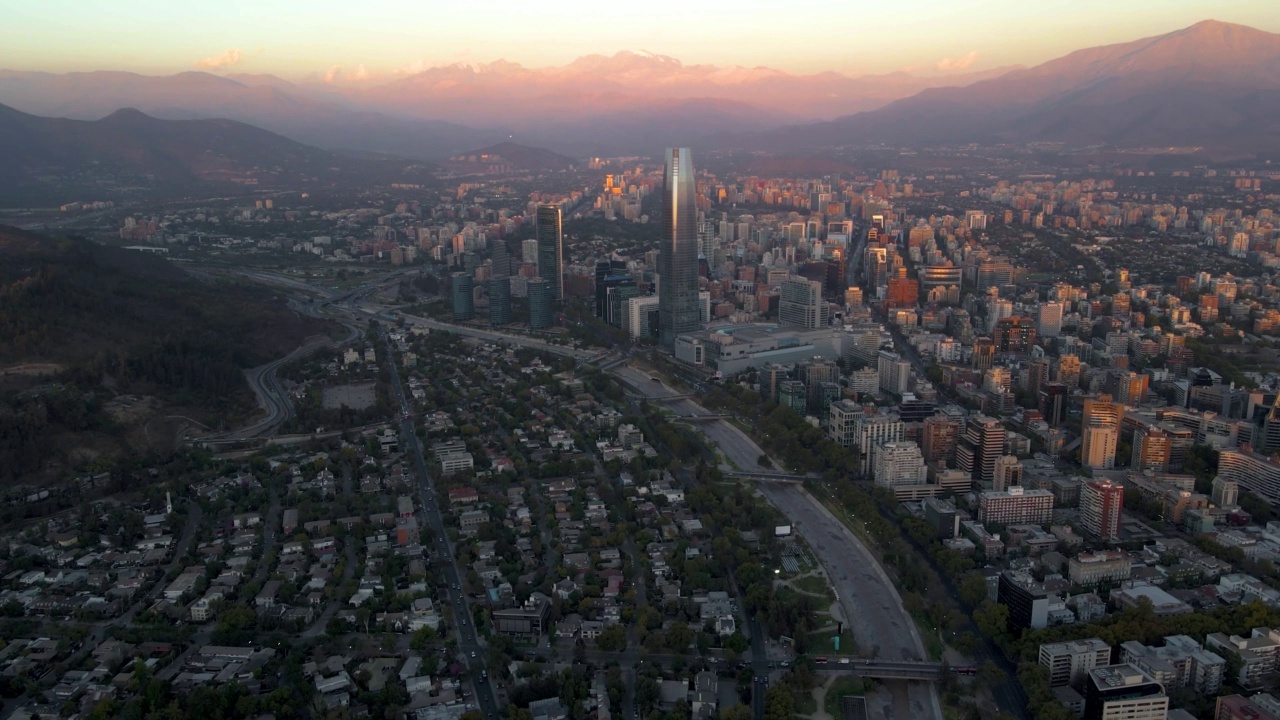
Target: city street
point(469, 645)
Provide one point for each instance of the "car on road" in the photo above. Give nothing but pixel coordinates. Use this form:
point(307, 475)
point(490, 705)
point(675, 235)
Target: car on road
point(473, 653)
point(820, 660)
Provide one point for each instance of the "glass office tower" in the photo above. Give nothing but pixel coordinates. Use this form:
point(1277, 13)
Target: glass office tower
point(678, 259)
point(551, 248)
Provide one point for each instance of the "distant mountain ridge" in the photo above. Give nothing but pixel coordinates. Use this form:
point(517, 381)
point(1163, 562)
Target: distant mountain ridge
point(1213, 85)
point(315, 116)
point(598, 104)
point(129, 149)
point(599, 84)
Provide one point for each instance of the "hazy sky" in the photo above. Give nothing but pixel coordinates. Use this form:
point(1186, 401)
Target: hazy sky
point(295, 39)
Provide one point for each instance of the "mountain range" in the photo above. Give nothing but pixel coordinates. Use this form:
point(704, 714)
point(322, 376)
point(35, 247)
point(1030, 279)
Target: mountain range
point(1212, 88)
point(129, 149)
point(596, 104)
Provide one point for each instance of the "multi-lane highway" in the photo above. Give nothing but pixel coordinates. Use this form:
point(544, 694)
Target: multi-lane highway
point(500, 337)
point(867, 596)
point(866, 593)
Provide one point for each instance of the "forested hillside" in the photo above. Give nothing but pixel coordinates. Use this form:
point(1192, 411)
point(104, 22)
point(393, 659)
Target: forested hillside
point(115, 321)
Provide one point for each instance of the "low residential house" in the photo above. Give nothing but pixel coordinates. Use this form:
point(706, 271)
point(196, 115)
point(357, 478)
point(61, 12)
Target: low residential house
point(672, 692)
point(591, 629)
point(266, 598)
point(470, 521)
point(246, 520)
point(578, 561)
point(549, 709)
point(422, 613)
point(564, 589)
point(463, 496)
point(704, 698)
point(569, 627)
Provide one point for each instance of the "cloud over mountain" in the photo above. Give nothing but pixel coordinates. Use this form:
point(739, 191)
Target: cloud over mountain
point(217, 62)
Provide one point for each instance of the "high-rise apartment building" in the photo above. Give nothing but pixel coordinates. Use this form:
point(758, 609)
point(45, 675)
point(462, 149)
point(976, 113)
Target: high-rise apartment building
point(873, 430)
point(1099, 432)
point(1268, 440)
point(997, 380)
point(1068, 372)
point(895, 372)
point(1101, 508)
point(1180, 663)
point(842, 422)
point(800, 304)
point(1014, 335)
point(837, 283)
point(899, 464)
point(499, 259)
point(1027, 600)
point(1225, 493)
point(1160, 447)
point(1053, 403)
point(678, 257)
point(902, 291)
point(978, 449)
point(1255, 658)
point(1015, 506)
point(938, 438)
point(1092, 569)
point(1256, 473)
point(1008, 473)
point(1068, 662)
point(529, 251)
point(1049, 321)
point(816, 374)
point(1037, 375)
point(984, 354)
point(550, 230)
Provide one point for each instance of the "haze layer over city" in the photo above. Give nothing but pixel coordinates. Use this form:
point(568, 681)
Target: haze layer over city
point(681, 361)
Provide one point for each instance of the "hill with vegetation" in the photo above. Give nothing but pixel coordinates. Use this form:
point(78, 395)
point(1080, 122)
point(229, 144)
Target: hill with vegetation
point(95, 341)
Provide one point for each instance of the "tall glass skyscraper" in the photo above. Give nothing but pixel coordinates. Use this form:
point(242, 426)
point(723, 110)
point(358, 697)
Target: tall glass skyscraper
point(461, 285)
point(551, 248)
point(499, 300)
point(678, 259)
point(541, 296)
